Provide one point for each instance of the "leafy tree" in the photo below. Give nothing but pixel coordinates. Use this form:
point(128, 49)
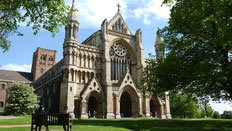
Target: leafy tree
point(198, 47)
point(206, 109)
point(184, 106)
point(21, 99)
point(216, 115)
point(227, 115)
point(46, 14)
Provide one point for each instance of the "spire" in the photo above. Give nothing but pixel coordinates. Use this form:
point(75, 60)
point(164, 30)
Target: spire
point(73, 7)
point(73, 13)
point(158, 41)
point(158, 38)
point(72, 26)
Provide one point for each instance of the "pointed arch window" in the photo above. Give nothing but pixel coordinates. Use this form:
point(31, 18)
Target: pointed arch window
point(69, 30)
point(119, 24)
point(120, 61)
point(74, 31)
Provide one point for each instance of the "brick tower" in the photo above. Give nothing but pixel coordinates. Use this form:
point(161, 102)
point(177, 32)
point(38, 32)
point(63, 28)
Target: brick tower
point(43, 60)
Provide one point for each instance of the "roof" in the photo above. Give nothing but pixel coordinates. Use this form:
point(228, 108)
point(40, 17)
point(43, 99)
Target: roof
point(7, 75)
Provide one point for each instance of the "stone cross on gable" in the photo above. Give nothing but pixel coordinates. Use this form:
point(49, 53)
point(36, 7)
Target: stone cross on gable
point(118, 7)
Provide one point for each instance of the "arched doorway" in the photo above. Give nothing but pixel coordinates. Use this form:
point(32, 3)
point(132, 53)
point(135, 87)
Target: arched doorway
point(95, 104)
point(92, 106)
point(155, 107)
point(125, 105)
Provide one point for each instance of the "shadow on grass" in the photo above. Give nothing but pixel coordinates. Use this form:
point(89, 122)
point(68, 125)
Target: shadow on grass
point(140, 124)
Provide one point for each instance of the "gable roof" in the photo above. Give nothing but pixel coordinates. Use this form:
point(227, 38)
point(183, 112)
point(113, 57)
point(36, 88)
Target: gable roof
point(125, 80)
point(19, 76)
point(115, 18)
point(92, 85)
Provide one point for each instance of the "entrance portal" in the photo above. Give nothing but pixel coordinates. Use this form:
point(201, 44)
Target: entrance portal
point(125, 105)
point(92, 106)
point(155, 107)
point(77, 108)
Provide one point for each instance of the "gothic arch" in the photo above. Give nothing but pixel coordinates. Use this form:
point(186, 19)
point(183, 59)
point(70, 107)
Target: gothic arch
point(127, 45)
point(93, 90)
point(134, 99)
point(155, 107)
point(130, 89)
point(120, 59)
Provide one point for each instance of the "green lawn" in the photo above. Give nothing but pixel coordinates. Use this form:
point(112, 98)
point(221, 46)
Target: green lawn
point(139, 124)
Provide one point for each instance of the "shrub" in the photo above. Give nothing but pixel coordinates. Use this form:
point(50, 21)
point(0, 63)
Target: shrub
point(216, 115)
point(21, 99)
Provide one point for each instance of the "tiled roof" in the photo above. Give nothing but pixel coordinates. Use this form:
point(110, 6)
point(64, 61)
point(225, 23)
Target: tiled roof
point(15, 76)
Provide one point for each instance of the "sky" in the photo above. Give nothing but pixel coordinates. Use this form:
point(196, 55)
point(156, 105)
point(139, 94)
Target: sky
point(147, 15)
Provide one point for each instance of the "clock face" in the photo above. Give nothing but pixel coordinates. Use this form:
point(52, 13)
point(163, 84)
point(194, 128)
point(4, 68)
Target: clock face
point(119, 50)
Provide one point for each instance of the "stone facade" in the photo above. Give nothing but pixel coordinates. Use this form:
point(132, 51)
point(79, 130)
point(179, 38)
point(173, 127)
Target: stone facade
point(101, 74)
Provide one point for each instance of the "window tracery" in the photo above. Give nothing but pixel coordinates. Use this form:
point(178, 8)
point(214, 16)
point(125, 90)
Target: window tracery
point(120, 59)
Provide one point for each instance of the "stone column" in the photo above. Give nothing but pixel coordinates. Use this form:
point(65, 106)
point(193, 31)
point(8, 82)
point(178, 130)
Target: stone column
point(78, 60)
point(70, 59)
point(84, 110)
point(90, 62)
point(162, 111)
point(140, 106)
point(167, 109)
point(109, 98)
point(82, 61)
point(147, 108)
point(94, 63)
point(117, 107)
point(74, 76)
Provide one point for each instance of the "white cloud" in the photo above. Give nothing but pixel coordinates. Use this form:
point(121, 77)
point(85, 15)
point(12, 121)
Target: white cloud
point(220, 107)
point(91, 13)
point(15, 67)
point(152, 10)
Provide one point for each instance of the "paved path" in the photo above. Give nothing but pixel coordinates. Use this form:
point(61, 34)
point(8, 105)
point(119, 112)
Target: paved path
point(9, 117)
point(12, 126)
point(9, 126)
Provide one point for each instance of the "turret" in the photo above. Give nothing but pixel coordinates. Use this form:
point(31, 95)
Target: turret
point(159, 51)
point(68, 85)
point(72, 27)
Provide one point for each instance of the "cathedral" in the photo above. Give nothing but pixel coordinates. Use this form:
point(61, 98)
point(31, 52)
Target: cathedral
point(99, 76)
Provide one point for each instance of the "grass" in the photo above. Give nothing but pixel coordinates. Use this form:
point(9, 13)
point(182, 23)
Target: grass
point(138, 124)
point(23, 120)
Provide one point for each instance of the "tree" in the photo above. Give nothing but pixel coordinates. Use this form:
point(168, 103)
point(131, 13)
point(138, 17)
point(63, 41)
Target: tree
point(227, 115)
point(198, 46)
point(184, 106)
point(206, 109)
point(46, 14)
point(22, 99)
point(216, 115)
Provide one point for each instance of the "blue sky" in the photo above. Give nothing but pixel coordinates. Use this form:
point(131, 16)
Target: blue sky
point(145, 14)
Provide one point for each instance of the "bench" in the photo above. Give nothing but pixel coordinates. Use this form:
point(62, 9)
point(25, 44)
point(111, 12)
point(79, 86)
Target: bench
point(51, 119)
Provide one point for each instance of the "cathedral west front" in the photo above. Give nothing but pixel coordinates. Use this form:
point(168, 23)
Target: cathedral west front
point(102, 74)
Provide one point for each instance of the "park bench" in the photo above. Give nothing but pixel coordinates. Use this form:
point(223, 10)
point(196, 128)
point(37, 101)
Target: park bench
point(51, 119)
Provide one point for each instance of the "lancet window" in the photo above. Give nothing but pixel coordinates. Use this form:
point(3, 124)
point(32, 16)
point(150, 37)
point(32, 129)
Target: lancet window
point(119, 26)
point(120, 61)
